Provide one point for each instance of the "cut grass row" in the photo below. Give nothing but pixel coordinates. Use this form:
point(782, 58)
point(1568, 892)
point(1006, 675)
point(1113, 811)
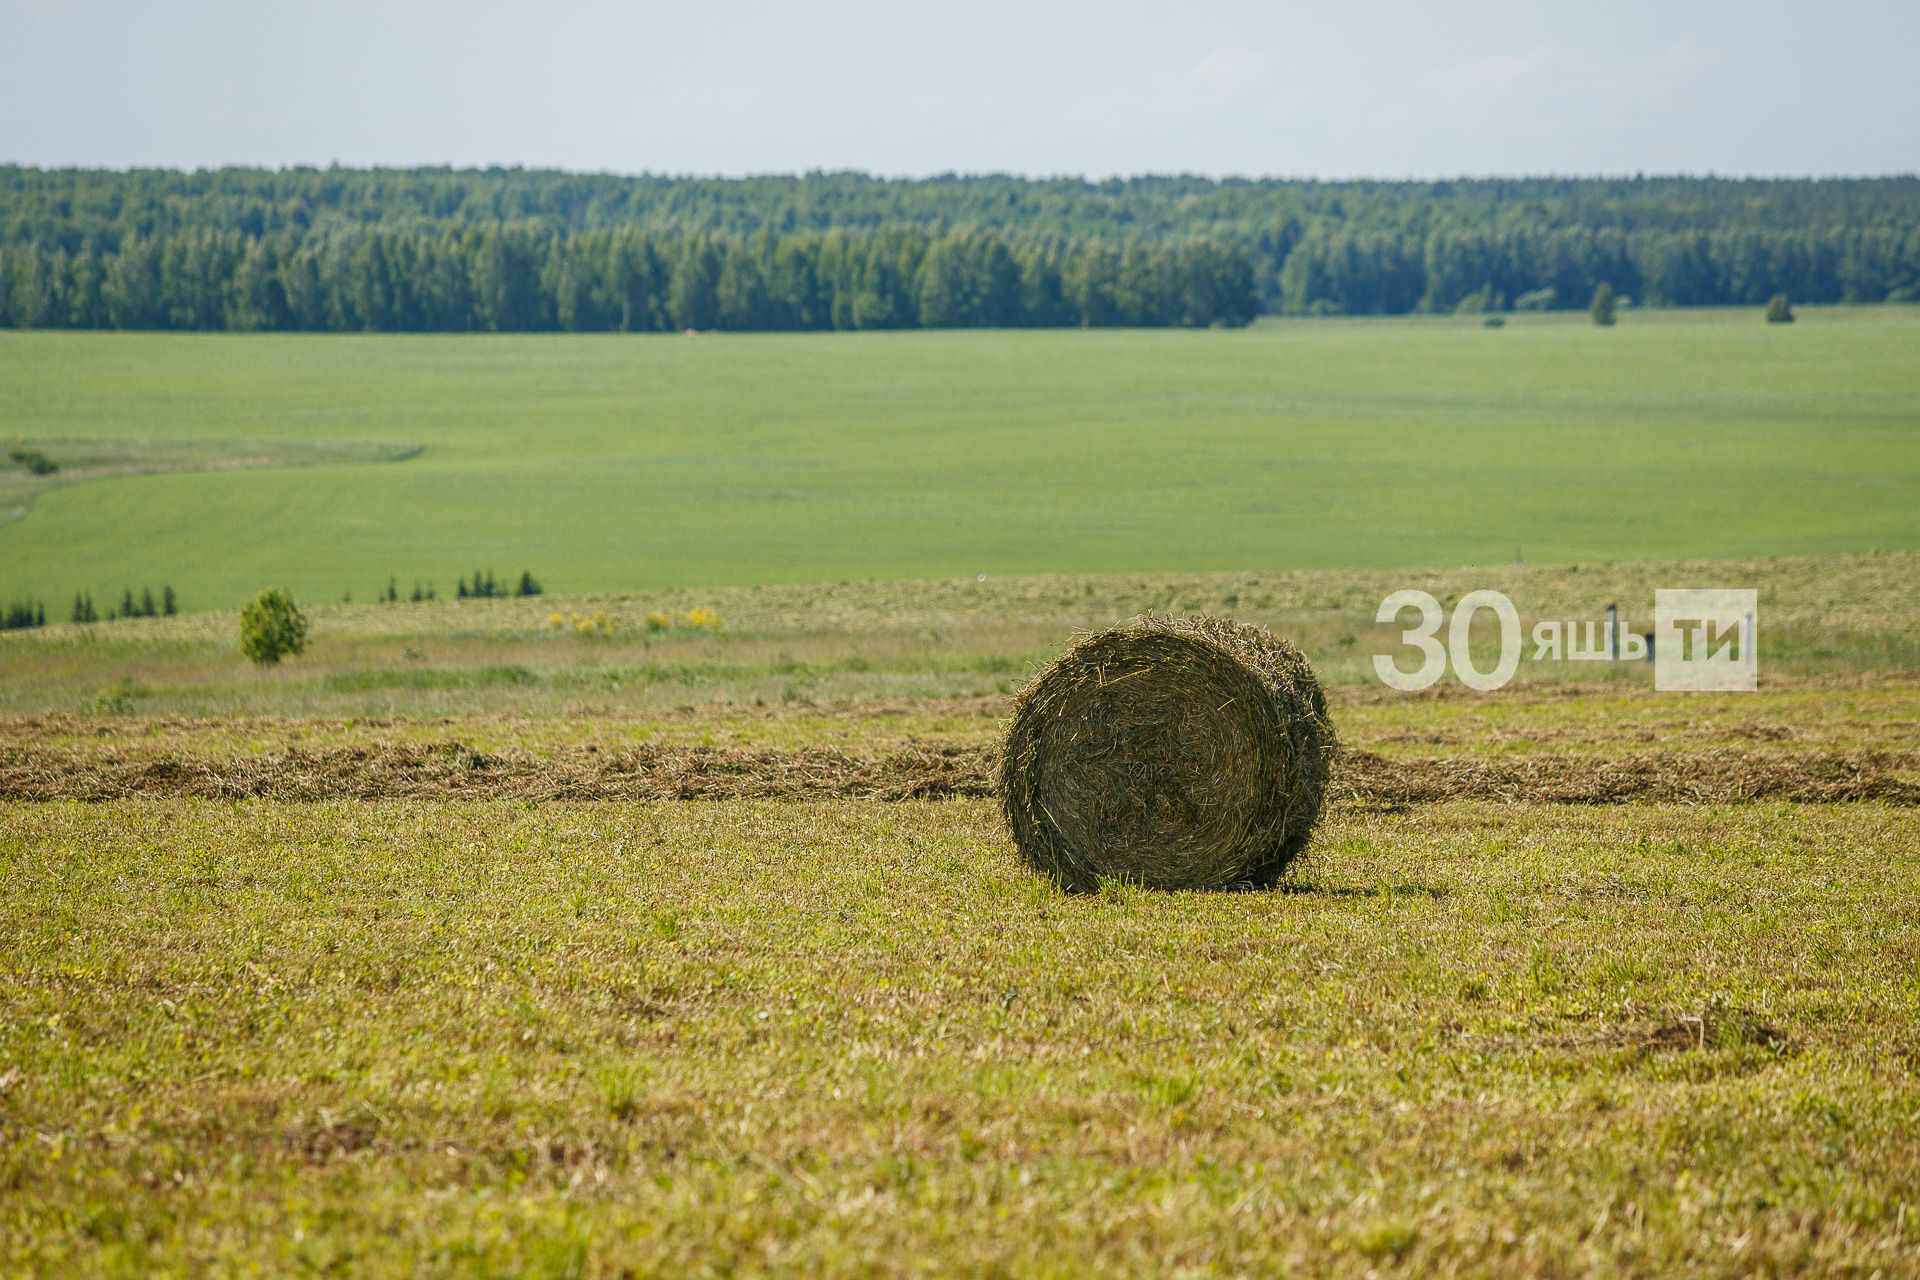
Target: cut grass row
point(1598, 721)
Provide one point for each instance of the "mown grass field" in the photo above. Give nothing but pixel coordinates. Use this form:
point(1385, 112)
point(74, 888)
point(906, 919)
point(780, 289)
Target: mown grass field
point(599, 1040)
point(320, 971)
point(626, 463)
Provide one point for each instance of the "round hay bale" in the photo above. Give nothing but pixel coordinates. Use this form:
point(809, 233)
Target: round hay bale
point(1174, 753)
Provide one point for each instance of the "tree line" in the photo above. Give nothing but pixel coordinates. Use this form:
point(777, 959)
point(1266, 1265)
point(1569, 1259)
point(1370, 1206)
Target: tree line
point(80, 208)
point(518, 278)
point(20, 614)
point(1343, 272)
point(511, 248)
point(25, 613)
point(483, 587)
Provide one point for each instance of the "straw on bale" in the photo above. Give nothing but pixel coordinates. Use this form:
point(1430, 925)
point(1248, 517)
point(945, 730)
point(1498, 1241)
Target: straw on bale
point(1176, 753)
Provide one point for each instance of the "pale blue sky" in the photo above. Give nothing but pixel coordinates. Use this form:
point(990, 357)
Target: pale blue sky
point(1330, 89)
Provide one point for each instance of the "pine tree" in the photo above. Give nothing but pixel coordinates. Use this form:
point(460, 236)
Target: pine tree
point(147, 607)
point(126, 604)
point(168, 604)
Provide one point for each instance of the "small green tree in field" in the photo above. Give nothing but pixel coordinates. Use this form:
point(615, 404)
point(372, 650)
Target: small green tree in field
point(272, 626)
point(1601, 308)
point(1780, 309)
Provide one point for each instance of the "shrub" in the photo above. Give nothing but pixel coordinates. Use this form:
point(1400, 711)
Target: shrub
point(272, 627)
point(1780, 309)
point(1601, 308)
point(1537, 299)
point(35, 461)
point(658, 622)
point(701, 618)
point(117, 699)
point(527, 587)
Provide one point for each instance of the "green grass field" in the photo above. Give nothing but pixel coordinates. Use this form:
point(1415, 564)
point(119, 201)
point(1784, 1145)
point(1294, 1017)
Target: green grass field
point(623, 463)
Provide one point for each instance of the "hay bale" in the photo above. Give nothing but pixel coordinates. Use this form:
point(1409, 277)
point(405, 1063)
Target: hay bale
point(1175, 753)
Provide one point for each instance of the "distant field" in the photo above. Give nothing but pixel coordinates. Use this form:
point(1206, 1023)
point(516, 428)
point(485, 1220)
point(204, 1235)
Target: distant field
point(633, 463)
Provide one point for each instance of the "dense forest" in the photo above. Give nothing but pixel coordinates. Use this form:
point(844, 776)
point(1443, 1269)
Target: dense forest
point(514, 278)
point(510, 249)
